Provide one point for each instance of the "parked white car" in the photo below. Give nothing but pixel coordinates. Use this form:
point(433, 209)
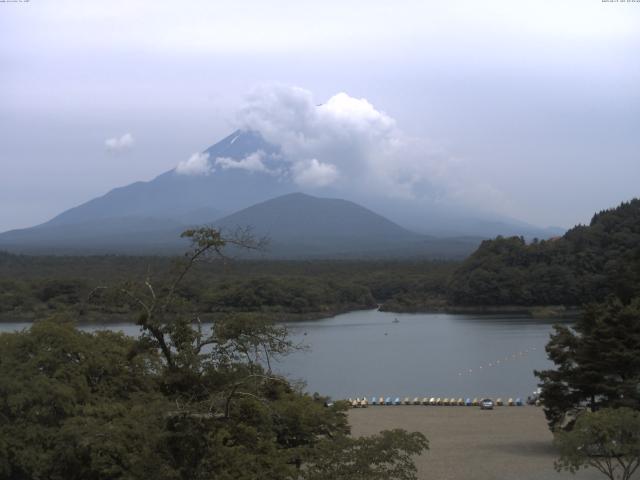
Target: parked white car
point(486, 404)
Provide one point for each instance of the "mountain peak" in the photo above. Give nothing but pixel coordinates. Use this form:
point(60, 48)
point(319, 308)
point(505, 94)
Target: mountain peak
point(299, 214)
point(240, 144)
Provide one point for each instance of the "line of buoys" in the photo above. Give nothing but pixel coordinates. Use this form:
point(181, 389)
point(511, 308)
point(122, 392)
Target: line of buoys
point(492, 364)
point(363, 402)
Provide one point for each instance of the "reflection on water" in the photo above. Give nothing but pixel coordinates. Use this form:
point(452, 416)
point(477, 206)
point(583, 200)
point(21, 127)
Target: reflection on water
point(368, 353)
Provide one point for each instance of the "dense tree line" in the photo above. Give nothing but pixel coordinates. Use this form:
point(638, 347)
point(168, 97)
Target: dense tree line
point(34, 286)
point(586, 264)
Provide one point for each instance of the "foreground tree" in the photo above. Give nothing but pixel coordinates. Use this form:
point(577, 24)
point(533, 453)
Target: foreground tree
point(379, 457)
point(74, 406)
point(607, 440)
point(597, 363)
point(183, 401)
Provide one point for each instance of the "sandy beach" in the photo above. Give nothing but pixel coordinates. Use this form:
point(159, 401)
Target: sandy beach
point(467, 443)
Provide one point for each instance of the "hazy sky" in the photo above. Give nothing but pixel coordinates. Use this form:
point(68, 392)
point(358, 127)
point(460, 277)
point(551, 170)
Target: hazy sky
point(532, 107)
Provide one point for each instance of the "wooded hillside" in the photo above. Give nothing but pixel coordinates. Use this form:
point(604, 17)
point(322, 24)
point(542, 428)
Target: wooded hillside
point(585, 265)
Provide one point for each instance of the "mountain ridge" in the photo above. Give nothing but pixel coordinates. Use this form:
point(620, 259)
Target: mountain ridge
point(298, 226)
point(241, 171)
point(170, 194)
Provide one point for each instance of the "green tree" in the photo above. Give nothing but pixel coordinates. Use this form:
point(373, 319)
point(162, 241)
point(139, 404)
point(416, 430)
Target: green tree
point(379, 457)
point(607, 440)
point(74, 406)
point(597, 363)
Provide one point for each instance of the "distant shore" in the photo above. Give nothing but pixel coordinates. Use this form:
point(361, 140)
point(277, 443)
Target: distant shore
point(468, 443)
point(116, 318)
point(542, 312)
point(534, 311)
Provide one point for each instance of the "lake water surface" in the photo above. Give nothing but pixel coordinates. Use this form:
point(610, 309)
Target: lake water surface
point(442, 355)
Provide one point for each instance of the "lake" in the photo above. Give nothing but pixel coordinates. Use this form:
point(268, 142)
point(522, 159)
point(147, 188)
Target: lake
point(431, 354)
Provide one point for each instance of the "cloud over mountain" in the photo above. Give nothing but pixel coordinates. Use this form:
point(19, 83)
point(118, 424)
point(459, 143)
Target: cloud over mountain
point(312, 173)
point(350, 145)
point(346, 145)
point(253, 162)
point(196, 164)
point(346, 142)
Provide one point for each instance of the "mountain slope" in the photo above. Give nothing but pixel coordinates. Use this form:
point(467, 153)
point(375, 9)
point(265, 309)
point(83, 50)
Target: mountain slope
point(125, 235)
point(299, 225)
point(298, 215)
point(173, 195)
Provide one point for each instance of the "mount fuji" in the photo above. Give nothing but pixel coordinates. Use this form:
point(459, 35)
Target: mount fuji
point(241, 183)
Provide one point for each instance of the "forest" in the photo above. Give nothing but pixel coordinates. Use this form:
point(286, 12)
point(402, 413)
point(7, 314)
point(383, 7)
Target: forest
point(588, 263)
point(282, 290)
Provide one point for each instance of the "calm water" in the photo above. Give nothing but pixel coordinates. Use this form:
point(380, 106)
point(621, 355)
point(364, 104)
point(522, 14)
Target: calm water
point(365, 353)
point(442, 355)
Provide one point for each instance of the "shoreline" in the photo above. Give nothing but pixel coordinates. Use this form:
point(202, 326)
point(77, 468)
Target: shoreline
point(129, 318)
point(538, 312)
point(534, 311)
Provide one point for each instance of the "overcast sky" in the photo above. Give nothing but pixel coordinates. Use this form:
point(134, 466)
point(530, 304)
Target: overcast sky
point(533, 107)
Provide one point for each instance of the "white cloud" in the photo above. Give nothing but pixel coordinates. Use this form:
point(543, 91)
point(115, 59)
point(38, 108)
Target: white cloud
point(197, 164)
point(252, 162)
point(119, 144)
point(312, 173)
point(345, 142)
